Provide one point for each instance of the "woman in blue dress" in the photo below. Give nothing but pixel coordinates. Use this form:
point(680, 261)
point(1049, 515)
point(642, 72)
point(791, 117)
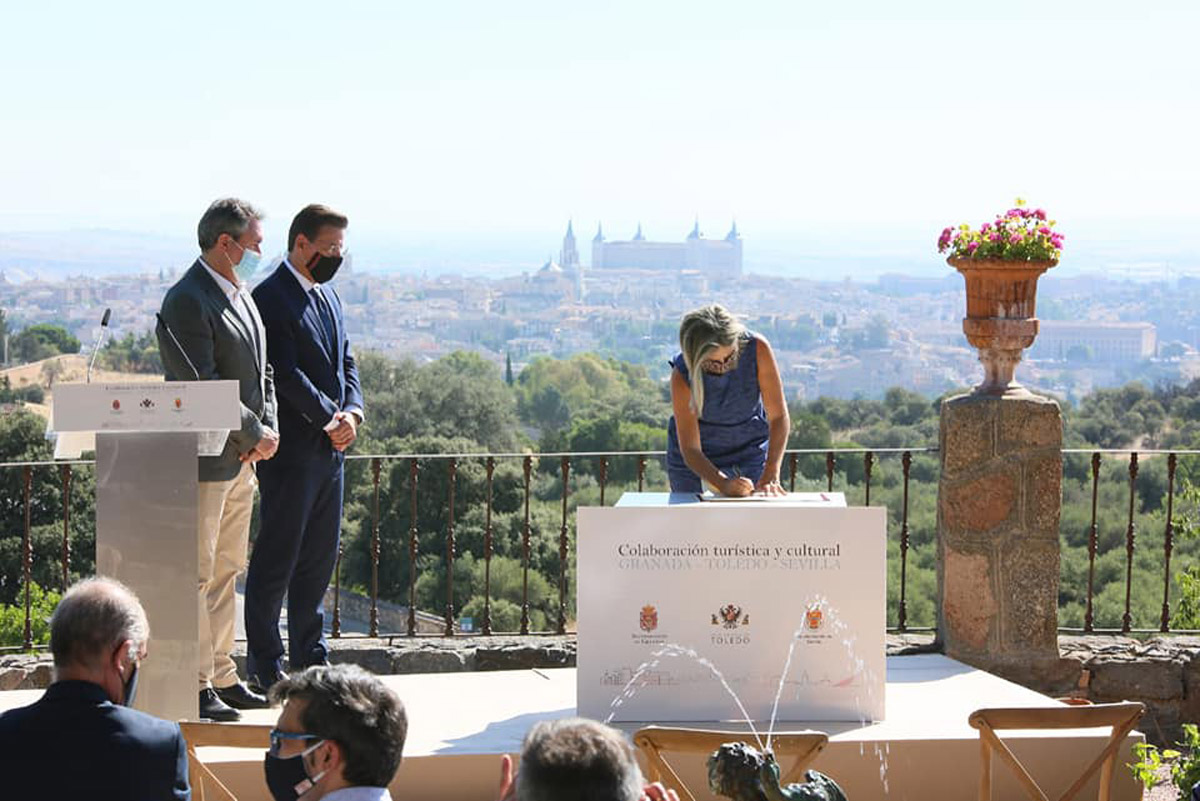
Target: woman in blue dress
point(730, 423)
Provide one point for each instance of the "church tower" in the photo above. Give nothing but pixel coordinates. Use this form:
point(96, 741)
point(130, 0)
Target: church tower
point(598, 247)
point(568, 257)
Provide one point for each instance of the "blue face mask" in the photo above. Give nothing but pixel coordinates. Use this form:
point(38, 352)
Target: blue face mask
point(248, 265)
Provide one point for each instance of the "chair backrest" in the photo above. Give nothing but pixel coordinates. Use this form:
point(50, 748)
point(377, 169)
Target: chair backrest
point(1119, 718)
point(655, 741)
point(205, 784)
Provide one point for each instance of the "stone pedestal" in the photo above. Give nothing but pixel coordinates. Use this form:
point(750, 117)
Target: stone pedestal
point(998, 505)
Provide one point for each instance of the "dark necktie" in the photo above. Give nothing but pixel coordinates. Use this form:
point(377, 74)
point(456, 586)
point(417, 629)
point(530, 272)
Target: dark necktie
point(326, 315)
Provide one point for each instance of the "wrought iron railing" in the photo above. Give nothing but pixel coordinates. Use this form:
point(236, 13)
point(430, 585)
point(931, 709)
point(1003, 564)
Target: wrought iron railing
point(1134, 460)
point(868, 458)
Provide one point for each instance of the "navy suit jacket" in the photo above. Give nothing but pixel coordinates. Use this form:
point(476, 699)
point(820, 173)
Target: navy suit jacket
point(312, 382)
point(75, 743)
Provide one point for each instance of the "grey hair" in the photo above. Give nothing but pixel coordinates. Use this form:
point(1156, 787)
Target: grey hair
point(578, 759)
point(94, 617)
point(225, 216)
point(701, 331)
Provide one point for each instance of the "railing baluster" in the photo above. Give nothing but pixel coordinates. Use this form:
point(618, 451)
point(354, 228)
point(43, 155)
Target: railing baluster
point(1168, 545)
point(868, 463)
point(487, 552)
point(602, 468)
point(1093, 541)
point(902, 613)
point(27, 555)
point(562, 550)
point(792, 472)
point(65, 472)
point(830, 463)
point(374, 623)
point(641, 472)
point(528, 468)
point(452, 468)
point(1127, 618)
point(413, 469)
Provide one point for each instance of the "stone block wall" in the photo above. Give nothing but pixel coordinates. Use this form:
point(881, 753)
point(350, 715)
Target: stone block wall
point(998, 507)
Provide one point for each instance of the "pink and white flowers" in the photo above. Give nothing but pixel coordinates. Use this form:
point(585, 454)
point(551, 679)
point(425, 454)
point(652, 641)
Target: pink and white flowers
point(1020, 234)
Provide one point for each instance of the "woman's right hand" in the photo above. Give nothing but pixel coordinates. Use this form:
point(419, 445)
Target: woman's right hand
point(738, 487)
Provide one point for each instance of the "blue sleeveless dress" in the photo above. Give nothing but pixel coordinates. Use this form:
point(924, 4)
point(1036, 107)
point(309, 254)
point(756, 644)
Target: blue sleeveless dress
point(733, 425)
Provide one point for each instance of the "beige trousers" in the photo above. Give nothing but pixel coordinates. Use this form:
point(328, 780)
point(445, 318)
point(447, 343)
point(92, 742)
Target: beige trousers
point(224, 517)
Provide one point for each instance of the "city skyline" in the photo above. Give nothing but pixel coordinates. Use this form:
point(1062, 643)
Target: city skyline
point(1146, 249)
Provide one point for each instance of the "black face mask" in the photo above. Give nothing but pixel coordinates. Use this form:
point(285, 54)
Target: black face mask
point(323, 268)
point(287, 778)
point(130, 686)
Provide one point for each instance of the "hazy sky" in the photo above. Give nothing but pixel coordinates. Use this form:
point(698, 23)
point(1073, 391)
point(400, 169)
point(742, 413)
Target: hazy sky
point(875, 119)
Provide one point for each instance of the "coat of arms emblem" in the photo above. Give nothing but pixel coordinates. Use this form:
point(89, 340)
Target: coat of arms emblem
point(648, 620)
point(814, 617)
point(730, 616)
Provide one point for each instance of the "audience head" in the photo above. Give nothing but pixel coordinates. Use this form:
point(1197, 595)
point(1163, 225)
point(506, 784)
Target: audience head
point(578, 759)
point(99, 633)
point(340, 726)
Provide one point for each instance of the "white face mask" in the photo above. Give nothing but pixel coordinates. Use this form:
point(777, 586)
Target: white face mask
point(248, 265)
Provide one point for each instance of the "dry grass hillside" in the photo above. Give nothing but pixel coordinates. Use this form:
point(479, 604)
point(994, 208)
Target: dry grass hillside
point(70, 367)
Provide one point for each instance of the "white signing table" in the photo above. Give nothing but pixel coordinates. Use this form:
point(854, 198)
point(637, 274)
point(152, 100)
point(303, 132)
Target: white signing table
point(674, 590)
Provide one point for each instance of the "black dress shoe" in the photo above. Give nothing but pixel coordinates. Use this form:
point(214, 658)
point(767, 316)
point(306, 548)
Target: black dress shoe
point(239, 696)
point(213, 708)
point(262, 685)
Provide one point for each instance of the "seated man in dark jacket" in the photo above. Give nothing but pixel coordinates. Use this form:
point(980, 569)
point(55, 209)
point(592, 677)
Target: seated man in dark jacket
point(81, 739)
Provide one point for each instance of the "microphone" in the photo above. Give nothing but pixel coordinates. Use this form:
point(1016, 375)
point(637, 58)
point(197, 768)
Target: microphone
point(178, 346)
point(99, 339)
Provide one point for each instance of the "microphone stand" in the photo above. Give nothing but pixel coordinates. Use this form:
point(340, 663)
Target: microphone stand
point(99, 339)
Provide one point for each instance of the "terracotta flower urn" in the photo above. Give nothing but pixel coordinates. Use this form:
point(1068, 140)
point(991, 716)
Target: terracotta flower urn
point(1000, 321)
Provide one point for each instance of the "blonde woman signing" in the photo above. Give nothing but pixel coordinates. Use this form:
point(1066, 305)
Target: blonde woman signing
point(730, 422)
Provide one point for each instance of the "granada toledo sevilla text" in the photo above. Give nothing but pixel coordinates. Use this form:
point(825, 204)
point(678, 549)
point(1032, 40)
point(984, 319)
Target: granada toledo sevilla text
point(738, 556)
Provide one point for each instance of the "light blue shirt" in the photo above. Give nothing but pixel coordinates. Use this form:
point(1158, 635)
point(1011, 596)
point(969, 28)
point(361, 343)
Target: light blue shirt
point(360, 794)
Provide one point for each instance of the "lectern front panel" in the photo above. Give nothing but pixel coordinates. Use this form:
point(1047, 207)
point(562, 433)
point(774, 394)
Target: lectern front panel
point(146, 497)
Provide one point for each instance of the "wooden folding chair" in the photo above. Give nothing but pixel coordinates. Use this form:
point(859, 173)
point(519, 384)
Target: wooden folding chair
point(653, 741)
point(205, 784)
point(1120, 718)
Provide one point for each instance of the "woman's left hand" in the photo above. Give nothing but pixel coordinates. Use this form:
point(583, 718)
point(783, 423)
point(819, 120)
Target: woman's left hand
point(769, 486)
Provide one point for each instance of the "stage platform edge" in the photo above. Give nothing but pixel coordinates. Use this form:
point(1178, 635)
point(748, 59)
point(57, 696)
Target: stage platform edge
point(460, 724)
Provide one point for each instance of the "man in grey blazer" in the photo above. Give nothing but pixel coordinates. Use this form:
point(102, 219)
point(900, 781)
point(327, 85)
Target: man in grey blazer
point(210, 329)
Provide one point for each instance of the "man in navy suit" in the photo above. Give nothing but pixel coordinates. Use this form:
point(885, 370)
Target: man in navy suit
point(320, 407)
point(81, 739)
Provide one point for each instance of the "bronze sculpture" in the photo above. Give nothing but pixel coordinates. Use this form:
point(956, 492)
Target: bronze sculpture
point(739, 772)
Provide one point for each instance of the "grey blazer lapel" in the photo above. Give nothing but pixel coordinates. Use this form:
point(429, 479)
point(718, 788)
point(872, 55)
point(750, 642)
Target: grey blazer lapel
point(230, 315)
point(260, 334)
